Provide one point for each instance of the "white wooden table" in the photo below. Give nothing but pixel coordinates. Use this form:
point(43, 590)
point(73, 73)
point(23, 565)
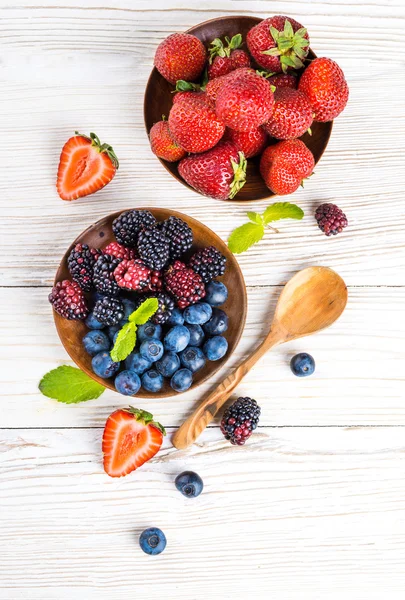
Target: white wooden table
point(314, 505)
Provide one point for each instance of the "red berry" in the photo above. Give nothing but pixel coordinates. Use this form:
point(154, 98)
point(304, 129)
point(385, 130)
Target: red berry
point(133, 275)
point(163, 144)
point(324, 83)
point(292, 114)
point(180, 56)
point(284, 166)
point(250, 143)
point(283, 80)
point(331, 219)
point(184, 284)
point(119, 251)
point(68, 300)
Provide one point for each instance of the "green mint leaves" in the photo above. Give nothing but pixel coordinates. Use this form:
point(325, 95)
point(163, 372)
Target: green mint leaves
point(242, 238)
point(126, 338)
point(69, 385)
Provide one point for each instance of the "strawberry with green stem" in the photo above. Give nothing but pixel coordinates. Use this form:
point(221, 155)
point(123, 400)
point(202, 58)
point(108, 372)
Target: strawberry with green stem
point(224, 59)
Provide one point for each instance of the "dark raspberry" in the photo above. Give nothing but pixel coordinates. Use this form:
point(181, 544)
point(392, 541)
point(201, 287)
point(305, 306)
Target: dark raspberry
point(109, 311)
point(103, 278)
point(133, 275)
point(331, 219)
point(179, 234)
point(166, 306)
point(119, 251)
point(209, 263)
point(127, 226)
point(68, 300)
point(239, 420)
point(184, 284)
point(80, 264)
point(153, 248)
point(155, 281)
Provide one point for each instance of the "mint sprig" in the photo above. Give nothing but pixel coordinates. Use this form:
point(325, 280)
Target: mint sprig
point(245, 236)
point(126, 338)
point(69, 385)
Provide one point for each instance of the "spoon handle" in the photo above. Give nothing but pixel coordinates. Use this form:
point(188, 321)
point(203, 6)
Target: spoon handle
point(189, 431)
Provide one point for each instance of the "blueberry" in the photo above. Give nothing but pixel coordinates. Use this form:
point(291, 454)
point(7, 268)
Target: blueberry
point(218, 323)
point(152, 381)
point(112, 330)
point(96, 341)
point(216, 293)
point(181, 380)
point(196, 334)
point(152, 540)
point(151, 349)
point(176, 318)
point(92, 323)
point(104, 366)
point(193, 358)
point(129, 307)
point(168, 364)
point(136, 362)
point(302, 364)
point(177, 338)
point(148, 331)
point(127, 383)
point(215, 348)
point(197, 314)
point(189, 484)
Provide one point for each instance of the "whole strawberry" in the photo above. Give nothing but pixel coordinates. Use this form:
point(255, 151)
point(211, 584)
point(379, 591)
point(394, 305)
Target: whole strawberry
point(194, 124)
point(186, 94)
point(278, 44)
point(285, 165)
point(250, 143)
point(163, 144)
point(224, 59)
point(244, 101)
point(325, 85)
point(292, 114)
point(214, 85)
point(218, 173)
point(180, 56)
point(284, 80)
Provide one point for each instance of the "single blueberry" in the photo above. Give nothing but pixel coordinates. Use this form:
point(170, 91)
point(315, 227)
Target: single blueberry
point(127, 383)
point(96, 341)
point(196, 334)
point(302, 364)
point(168, 364)
point(129, 307)
point(218, 323)
point(189, 484)
point(148, 331)
point(112, 330)
point(152, 541)
point(104, 366)
point(152, 381)
point(151, 349)
point(198, 314)
point(216, 293)
point(215, 348)
point(136, 362)
point(92, 323)
point(176, 318)
point(181, 380)
point(193, 358)
point(177, 338)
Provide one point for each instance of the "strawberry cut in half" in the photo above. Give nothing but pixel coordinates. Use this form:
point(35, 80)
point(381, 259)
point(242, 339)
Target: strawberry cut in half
point(131, 437)
point(85, 166)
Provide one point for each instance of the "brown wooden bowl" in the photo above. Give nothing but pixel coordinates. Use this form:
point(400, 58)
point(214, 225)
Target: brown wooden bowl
point(159, 97)
point(100, 235)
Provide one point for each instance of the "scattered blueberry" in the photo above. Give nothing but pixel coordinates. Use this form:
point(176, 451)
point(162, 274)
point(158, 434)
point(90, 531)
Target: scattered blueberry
point(152, 541)
point(215, 348)
point(148, 331)
point(129, 307)
point(104, 366)
point(92, 323)
point(218, 323)
point(127, 383)
point(176, 318)
point(181, 380)
point(152, 381)
point(189, 484)
point(302, 364)
point(177, 338)
point(96, 341)
point(168, 364)
point(138, 363)
point(216, 293)
point(151, 349)
point(196, 334)
point(197, 314)
point(193, 358)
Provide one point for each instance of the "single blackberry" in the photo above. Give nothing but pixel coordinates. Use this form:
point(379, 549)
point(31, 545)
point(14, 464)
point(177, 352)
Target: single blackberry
point(153, 248)
point(68, 300)
point(240, 420)
point(331, 219)
point(184, 284)
point(80, 264)
point(103, 278)
point(164, 311)
point(119, 251)
point(127, 226)
point(208, 263)
point(179, 234)
point(109, 311)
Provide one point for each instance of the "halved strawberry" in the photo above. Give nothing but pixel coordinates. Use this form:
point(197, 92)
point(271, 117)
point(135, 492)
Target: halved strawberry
point(85, 166)
point(131, 437)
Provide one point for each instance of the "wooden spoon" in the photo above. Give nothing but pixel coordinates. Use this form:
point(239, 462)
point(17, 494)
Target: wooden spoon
point(311, 301)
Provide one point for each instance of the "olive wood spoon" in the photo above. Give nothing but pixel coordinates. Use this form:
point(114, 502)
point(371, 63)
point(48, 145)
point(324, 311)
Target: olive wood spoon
point(311, 301)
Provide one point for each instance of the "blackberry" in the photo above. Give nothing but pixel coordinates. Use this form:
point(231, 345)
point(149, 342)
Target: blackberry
point(103, 278)
point(331, 219)
point(153, 248)
point(239, 420)
point(208, 263)
point(184, 284)
point(165, 309)
point(109, 311)
point(127, 226)
point(179, 234)
point(80, 264)
point(68, 300)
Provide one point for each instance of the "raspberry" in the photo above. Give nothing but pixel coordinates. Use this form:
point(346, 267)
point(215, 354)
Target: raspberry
point(153, 248)
point(103, 279)
point(240, 420)
point(109, 311)
point(155, 282)
point(179, 234)
point(184, 284)
point(80, 264)
point(68, 300)
point(127, 226)
point(133, 275)
point(331, 219)
point(164, 311)
point(119, 251)
point(208, 263)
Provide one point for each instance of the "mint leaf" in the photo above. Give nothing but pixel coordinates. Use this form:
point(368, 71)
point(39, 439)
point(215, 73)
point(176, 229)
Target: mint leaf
point(255, 217)
point(242, 238)
point(141, 315)
point(282, 210)
point(69, 385)
point(125, 342)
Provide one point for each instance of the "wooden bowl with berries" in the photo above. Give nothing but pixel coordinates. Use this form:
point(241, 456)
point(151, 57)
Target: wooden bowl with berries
point(157, 275)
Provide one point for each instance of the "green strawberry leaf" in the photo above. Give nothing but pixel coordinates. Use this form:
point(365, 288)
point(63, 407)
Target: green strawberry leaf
point(143, 313)
point(69, 385)
point(235, 42)
point(125, 342)
point(255, 217)
point(242, 238)
point(282, 210)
